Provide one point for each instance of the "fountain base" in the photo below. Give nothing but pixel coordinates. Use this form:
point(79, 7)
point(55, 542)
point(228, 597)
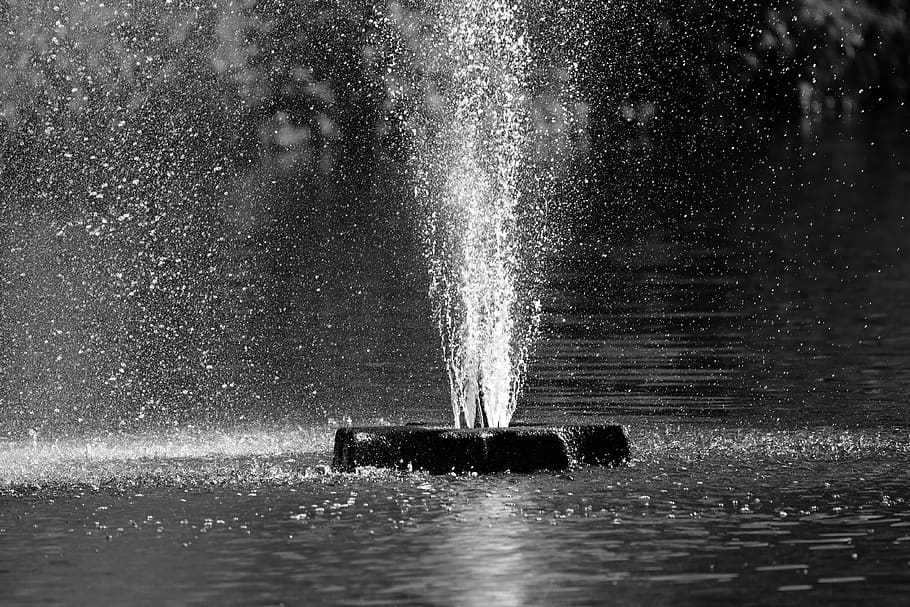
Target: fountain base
point(481, 450)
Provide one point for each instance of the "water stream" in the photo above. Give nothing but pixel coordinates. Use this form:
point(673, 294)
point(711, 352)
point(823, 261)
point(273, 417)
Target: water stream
point(469, 154)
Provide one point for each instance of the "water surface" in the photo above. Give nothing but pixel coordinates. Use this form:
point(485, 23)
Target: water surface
point(756, 348)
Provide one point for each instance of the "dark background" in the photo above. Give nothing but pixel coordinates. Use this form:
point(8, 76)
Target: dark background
point(167, 171)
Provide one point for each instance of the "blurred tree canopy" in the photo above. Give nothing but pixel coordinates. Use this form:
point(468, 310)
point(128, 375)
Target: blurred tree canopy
point(234, 79)
point(304, 71)
point(769, 56)
point(302, 82)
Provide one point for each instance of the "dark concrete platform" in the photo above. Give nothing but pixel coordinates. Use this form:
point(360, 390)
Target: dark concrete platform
point(481, 450)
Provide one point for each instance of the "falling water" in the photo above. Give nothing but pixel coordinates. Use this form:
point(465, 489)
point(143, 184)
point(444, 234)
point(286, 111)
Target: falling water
point(471, 141)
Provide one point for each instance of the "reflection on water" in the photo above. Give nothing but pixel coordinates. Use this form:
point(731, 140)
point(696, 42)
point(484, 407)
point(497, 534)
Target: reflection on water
point(789, 300)
point(760, 362)
point(492, 562)
point(832, 296)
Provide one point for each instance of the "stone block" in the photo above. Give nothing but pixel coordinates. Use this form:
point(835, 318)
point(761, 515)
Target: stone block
point(482, 450)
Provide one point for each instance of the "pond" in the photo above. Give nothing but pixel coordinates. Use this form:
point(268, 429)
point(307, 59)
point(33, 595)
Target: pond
point(759, 359)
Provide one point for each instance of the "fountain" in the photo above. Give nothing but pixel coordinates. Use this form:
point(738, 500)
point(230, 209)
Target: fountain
point(484, 227)
point(469, 160)
point(211, 259)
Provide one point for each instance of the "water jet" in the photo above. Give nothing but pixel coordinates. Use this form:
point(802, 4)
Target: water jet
point(483, 198)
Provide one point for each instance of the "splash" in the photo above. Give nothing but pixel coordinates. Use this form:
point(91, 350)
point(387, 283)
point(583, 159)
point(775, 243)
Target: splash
point(471, 139)
point(180, 456)
point(474, 256)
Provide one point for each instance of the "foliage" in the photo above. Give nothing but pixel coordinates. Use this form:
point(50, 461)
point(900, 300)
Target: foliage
point(824, 52)
point(300, 82)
